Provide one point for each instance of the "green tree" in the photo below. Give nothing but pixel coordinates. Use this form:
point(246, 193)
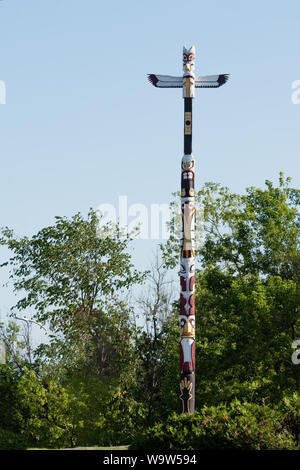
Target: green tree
point(18, 358)
point(73, 274)
point(247, 293)
point(18, 344)
point(246, 328)
point(154, 340)
point(9, 378)
point(239, 426)
point(47, 414)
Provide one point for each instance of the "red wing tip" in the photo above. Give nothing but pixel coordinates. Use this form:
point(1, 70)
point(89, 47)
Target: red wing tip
point(223, 78)
point(152, 79)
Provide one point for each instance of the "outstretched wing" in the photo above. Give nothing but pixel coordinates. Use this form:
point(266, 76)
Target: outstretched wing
point(211, 81)
point(165, 81)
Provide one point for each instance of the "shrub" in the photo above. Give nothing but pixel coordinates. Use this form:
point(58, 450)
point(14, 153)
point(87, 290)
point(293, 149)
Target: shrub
point(123, 420)
point(290, 407)
point(243, 426)
point(11, 441)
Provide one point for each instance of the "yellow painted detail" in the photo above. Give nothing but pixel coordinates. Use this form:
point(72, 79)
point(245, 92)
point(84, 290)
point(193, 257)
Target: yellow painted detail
point(188, 123)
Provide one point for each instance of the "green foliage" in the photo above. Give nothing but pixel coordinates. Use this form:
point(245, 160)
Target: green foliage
point(12, 441)
point(254, 233)
point(73, 274)
point(290, 407)
point(16, 347)
point(102, 411)
point(247, 294)
point(101, 379)
point(85, 411)
point(123, 418)
point(169, 369)
point(157, 353)
point(9, 378)
point(237, 426)
point(247, 328)
point(68, 269)
point(154, 343)
point(45, 411)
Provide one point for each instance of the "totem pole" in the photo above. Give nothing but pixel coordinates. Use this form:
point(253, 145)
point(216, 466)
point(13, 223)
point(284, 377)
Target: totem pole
point(188, 82)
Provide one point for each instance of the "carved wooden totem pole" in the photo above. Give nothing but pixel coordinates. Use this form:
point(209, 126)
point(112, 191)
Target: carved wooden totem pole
point(188, 82)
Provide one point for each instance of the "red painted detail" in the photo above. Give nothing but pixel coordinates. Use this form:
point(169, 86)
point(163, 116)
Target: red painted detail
point(182, 303)
point(153, 79)
point(187, 254)
point(192, 300)
point(192, 305)
point(188, 366)
point(192, 283)
point(183, 283)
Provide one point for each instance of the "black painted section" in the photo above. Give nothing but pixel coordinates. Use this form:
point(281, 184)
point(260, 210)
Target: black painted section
point(188, 107)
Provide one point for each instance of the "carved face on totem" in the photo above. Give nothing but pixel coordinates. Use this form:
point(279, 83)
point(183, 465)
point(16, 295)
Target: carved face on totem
point(188, 59)
point(188, 84)
point(187, 354)
point(187, 268)
point(187, 297)
point(187, 167)
point(187, 176)
point(188, 213)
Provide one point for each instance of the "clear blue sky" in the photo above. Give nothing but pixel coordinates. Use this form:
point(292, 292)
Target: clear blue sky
point(81, 124)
